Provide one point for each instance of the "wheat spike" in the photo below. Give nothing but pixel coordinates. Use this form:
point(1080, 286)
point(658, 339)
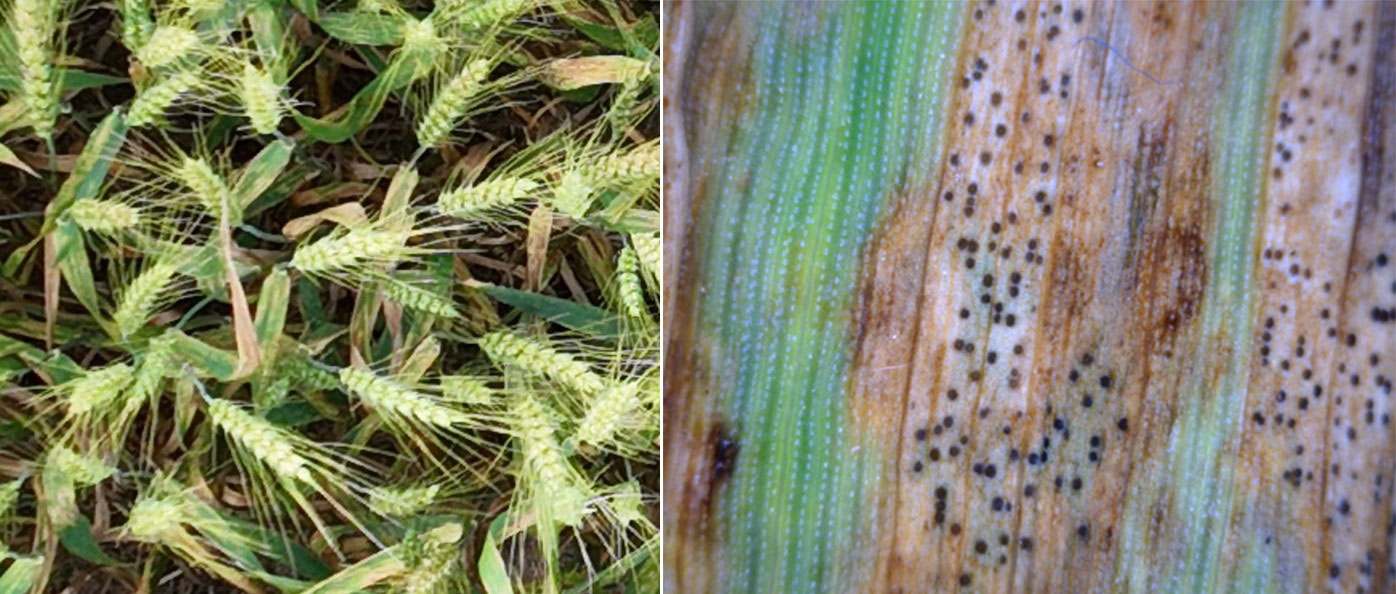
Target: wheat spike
point(572, 194)
point(343, 252)
point(507, 348)
point(430, 558)
point(378, 6)
point(402, 501)
point(389, 396)
point(419, 36)
point(103, 216)
point(627, 503)
point(139, 298)
point(302, 374)
point(639, 164)
point(608, 414)
point(486, 14)
point(9, 496)
point(544, 465)
point(158, 365)
point(451, 102)
point(485, 196)
point(261, 98)
point(83, 470)
point(647, 247)
point(153, 102)
point(466, 390)
point(198, 175)
point(152, 519)
point(266, 442)
point(34, 23)
point(167, 45)
point(136, 24)
point(98, 388)
point(632, 296)
point(420, 299)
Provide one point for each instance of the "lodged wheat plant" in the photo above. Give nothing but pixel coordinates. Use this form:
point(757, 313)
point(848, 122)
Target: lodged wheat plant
point(329, 297)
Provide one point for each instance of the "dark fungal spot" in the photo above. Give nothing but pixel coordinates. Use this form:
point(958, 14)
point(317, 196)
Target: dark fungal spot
point(724, 449)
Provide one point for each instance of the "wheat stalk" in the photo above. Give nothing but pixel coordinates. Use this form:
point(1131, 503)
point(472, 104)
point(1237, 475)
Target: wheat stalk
point(268, 443)
point(507, 348)
point(388, 396)
point(485, 196)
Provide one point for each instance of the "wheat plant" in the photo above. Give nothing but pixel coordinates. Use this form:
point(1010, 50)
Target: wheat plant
point(290, 304)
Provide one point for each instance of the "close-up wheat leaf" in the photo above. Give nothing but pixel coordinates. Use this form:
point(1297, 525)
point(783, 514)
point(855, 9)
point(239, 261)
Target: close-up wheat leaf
point(1029, 296)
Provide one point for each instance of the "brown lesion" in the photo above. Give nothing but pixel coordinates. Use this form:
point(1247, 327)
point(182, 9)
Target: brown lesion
point(883, 328)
